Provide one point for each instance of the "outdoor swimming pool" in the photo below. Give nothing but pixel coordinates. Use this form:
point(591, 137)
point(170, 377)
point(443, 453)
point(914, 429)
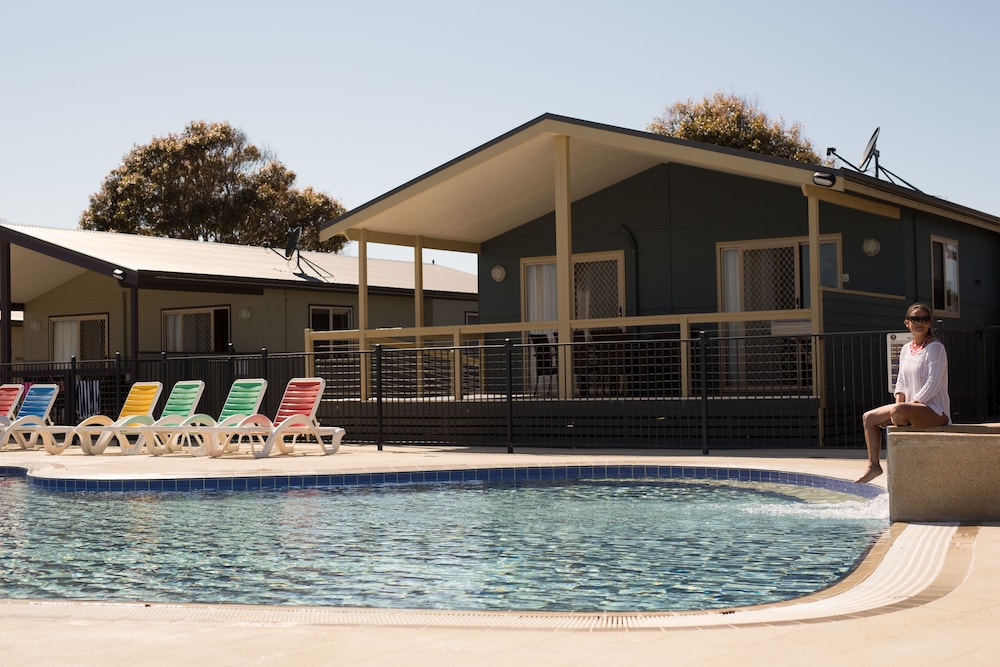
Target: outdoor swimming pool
point(555, 545)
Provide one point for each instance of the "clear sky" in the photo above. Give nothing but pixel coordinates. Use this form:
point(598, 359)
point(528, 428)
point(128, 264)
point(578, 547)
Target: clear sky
point(360, 97)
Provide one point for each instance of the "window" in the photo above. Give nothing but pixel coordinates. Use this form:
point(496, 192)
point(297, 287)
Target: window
point(598, 287)
point(944, 276)
point(329, 318)
point(196, 330)
point(773, 275)
point(84, 337)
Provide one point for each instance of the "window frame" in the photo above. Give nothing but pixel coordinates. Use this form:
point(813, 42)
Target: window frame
point(798, 243)
point(944, 309)
point(195, 310)
point(53, 319)
point(331, 308)
point(618, 256)
point(328, 346)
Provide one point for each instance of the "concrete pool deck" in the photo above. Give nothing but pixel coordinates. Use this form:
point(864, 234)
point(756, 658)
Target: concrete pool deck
point(954, 620)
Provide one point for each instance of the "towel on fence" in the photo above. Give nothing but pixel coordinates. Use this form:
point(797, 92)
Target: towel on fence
point(88, 398)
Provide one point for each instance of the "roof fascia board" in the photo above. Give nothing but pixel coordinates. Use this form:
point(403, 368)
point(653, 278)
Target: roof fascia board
point(849, 201)
point(187, 283)
point(925, 203)
point(63, 254)
point(426, 242)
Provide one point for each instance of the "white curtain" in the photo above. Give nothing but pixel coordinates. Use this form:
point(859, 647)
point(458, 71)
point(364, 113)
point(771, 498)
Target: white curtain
point(65, 339)
point(540, 293)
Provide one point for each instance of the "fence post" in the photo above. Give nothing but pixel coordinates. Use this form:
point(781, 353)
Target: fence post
point(378, 395)
point(703, 370)
point(119, 398)
point(508, 347)
point(71, 414)
point(982, 388)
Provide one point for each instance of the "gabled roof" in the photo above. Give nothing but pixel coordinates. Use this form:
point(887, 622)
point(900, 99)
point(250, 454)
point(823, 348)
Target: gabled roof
point(511, 180)
point(42, 258)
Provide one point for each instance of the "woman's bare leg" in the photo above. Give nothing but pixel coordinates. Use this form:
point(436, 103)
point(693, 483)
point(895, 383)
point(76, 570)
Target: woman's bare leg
point(873, 421)
point(898, 414)
point(916, 414)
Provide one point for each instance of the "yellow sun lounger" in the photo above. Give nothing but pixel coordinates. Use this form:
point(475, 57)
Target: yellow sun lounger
point(141, 400)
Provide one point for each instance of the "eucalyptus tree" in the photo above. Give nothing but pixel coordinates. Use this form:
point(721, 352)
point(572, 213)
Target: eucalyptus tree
point(734, 122)
point(209, 183)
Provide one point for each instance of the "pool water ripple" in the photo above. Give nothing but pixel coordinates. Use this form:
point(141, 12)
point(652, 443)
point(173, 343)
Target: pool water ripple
point(569, 545)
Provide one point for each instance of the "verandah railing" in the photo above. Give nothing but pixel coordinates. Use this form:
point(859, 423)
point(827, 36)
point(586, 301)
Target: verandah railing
point(650, 389)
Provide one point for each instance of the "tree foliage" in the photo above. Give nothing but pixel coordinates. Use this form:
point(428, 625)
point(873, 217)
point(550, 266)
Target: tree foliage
point(209, 183)
point(734, 122)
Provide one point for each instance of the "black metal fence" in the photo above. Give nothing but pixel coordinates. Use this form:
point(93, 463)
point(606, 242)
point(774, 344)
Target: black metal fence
point(639, 391)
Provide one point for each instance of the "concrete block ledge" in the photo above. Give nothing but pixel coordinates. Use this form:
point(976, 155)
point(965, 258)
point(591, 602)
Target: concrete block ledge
point(950, 473)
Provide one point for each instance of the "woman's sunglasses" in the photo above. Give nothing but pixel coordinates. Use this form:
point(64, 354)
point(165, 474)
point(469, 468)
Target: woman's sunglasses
point(919, 318)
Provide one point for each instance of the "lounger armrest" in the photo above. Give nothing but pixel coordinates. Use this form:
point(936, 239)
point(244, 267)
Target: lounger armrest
point(255, 420)
point(96, 420)
point(169, 420)
point(200, 419)
point(134, 420)
point(236, 420)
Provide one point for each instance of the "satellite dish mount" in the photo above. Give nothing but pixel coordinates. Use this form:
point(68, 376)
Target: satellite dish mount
point(293, 247)
point(870, 157)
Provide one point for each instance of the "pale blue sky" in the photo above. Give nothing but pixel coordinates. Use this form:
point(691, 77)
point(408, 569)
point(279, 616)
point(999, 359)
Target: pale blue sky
point(358, 98)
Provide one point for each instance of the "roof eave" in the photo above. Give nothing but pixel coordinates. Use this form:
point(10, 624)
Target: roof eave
point(862, 184)
point(655, 148)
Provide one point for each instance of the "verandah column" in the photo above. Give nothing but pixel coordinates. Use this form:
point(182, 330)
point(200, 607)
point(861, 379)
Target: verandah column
point(564, 264)
point(816, 312)
point(363, 313)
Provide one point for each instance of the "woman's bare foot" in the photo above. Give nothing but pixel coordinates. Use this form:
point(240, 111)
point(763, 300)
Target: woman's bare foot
point(872, 472)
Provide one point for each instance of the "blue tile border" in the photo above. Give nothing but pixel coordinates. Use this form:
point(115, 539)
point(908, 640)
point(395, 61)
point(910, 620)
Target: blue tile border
point(490, 475)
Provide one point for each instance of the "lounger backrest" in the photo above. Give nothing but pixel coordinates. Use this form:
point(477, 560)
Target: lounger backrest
point(302, 397)
point(38, 401)
point(10, 394)
point(183, 398)
point(244, 398)
point(141, 399)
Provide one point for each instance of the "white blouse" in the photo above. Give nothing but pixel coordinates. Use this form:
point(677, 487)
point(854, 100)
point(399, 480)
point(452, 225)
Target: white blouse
point(923, 376)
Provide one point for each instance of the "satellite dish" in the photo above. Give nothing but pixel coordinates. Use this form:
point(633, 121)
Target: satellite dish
point(293, 242)
point(869, 153)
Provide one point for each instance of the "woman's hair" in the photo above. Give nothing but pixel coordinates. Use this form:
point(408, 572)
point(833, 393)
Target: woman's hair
point(917, 306)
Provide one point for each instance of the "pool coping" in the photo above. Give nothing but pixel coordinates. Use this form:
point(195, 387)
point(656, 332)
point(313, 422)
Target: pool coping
point(939, 578)
point(64, 483)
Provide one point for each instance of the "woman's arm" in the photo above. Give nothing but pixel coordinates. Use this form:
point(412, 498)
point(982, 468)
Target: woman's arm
point(937, 374)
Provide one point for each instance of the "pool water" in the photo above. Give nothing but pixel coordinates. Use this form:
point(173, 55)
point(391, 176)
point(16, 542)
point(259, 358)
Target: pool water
point(571, 545)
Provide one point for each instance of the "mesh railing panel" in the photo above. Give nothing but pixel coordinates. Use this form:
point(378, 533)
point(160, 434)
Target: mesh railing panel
point(635, 389)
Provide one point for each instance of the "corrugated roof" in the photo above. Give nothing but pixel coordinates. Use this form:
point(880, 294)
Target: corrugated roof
point(153, 256)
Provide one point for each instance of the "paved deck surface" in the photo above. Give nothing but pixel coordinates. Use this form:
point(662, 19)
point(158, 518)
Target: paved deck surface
point(953, 620)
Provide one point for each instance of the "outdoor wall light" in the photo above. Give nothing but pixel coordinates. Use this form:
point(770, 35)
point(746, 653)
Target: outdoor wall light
point(119, 274)
point(35, 326)
point(871, 247)
point(498, 273)
point(824, 179)
point(245, 313)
